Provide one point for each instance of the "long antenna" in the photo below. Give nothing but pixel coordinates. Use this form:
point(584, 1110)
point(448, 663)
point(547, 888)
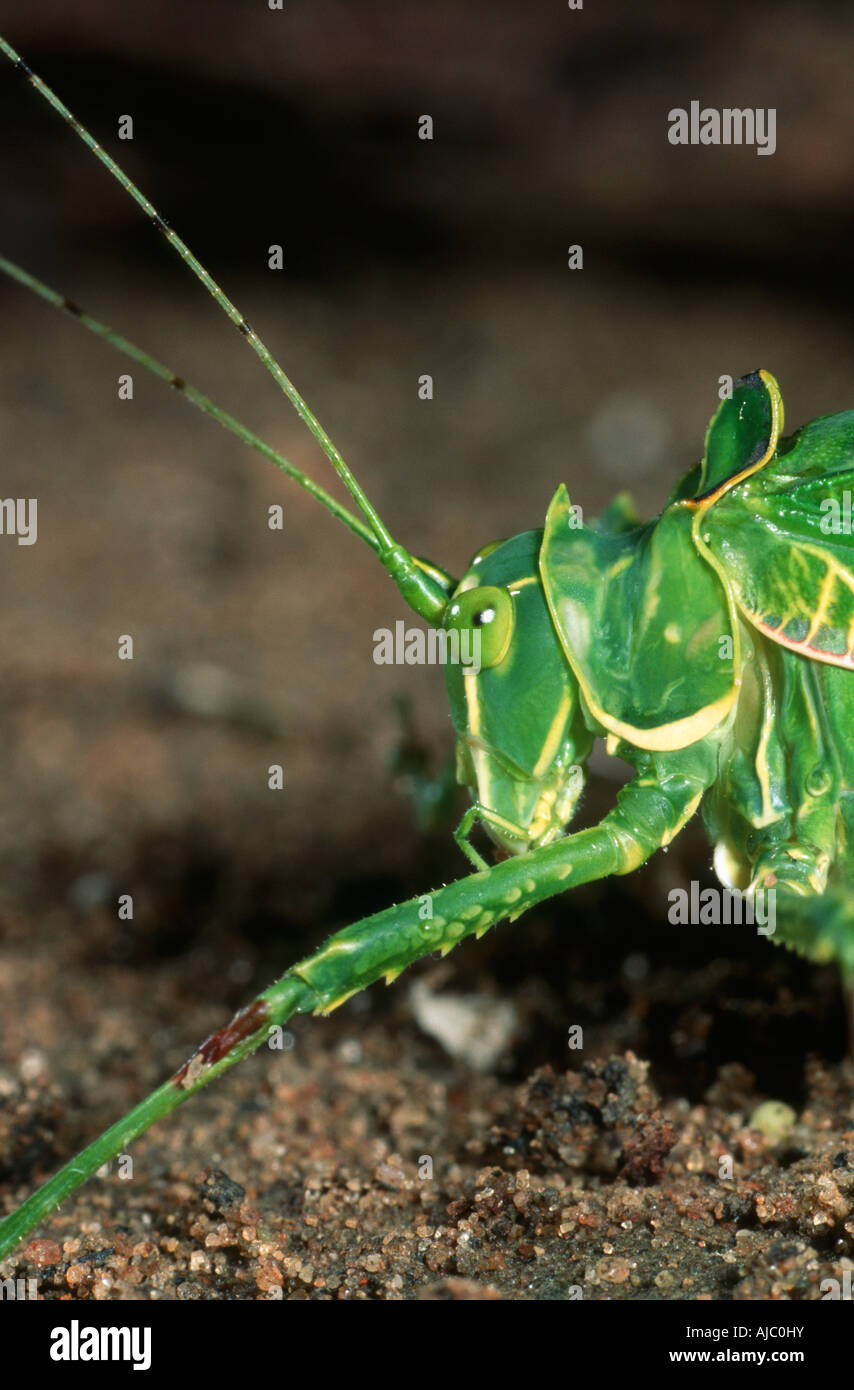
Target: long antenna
point(306, 415)
point(192, 394)
point(416, 583)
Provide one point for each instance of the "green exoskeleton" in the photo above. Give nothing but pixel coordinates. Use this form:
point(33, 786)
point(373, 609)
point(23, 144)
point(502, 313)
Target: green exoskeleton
point(710, 648)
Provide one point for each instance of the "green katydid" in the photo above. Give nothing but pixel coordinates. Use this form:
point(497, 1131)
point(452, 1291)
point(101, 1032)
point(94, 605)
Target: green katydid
point(709, 648)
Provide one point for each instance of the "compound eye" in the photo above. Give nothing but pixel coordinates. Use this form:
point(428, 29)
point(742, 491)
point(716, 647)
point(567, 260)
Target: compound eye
point(488, 614)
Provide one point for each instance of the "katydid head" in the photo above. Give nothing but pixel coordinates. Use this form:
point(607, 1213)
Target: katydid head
point(521, 741)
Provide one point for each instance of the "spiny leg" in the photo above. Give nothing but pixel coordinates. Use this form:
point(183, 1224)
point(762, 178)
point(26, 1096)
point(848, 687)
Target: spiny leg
point(382, 945)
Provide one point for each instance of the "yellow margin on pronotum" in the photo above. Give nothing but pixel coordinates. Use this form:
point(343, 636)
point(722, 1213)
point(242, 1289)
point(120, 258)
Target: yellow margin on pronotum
point(667, 737)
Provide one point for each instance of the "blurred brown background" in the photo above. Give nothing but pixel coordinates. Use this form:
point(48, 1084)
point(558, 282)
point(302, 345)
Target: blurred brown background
point(299, 127)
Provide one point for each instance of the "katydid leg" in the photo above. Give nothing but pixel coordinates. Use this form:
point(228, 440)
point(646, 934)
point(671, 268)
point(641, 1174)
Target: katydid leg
point(646, 817)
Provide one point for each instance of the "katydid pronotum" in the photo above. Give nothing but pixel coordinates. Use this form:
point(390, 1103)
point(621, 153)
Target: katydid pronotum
point(710, 648)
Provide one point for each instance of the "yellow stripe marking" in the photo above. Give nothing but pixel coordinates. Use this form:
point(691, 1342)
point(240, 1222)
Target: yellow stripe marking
point(618, 566)
point(763, 775)
point(702, 505)
point(666, 737)
point(554, 737)
point(822, 605)
point(683, 819)
point(336, 1003)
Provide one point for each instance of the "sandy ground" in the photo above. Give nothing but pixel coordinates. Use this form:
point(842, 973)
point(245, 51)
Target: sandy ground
point(366, 1161)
